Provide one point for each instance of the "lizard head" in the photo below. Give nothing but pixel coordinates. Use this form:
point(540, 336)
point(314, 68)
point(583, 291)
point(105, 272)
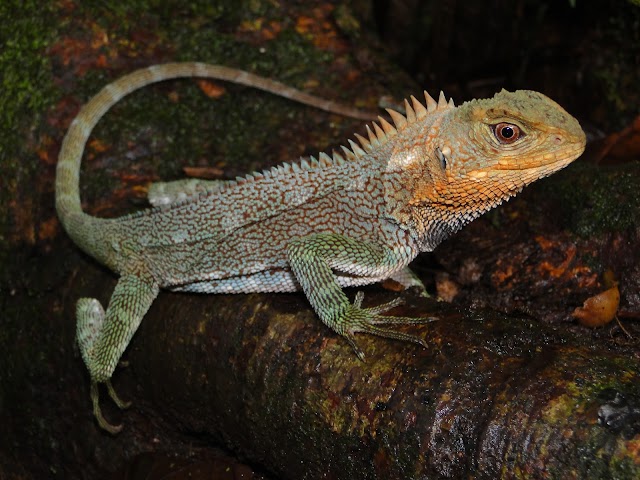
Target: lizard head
point(482, 153)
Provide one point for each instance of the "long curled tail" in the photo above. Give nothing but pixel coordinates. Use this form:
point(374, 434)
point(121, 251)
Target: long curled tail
point(79, 224)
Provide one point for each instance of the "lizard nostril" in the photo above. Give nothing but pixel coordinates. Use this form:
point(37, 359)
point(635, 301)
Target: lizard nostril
point(558, 140)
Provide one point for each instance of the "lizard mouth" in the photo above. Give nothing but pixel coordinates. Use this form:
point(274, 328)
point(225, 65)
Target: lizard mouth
point(560, 158)
point(531, 170)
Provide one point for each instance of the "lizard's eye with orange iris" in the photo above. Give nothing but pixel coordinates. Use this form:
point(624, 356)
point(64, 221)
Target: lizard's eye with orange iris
point(506, 132)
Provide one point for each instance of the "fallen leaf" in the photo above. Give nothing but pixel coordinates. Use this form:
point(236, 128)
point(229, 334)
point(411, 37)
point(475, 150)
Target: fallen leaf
point(210, 89)
point(207, 173)
point(598, 310)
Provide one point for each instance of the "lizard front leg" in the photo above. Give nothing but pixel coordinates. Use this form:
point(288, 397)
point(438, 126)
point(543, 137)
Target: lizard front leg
point(312, 260)
point(103, 337)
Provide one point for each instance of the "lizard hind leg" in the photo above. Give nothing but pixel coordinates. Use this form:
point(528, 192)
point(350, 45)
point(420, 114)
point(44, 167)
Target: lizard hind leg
point(103, 336)
point(90, 321)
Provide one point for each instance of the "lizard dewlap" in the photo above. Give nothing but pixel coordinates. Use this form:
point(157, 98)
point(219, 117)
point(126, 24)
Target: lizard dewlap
point(353, 218)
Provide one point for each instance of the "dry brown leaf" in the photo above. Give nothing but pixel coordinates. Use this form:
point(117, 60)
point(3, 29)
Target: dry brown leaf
point(600, 309)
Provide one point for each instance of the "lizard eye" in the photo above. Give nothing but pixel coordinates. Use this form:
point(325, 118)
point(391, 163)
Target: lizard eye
point(506, 133)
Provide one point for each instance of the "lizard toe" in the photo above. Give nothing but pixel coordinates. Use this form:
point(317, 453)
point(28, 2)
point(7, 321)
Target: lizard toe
point(114, 396)
point(97, 412)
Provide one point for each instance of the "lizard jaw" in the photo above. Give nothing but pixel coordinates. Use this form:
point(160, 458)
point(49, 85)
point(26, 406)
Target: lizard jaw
point(559, 159)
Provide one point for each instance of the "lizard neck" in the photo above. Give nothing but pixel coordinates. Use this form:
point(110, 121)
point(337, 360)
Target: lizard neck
point(412, 170)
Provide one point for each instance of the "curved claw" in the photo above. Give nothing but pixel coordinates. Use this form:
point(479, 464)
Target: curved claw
point(356, 349)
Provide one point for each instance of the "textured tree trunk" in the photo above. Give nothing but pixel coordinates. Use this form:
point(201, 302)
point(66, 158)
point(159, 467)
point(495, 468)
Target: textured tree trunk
point(492, 397)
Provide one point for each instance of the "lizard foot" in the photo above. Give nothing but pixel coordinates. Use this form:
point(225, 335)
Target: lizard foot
point(97, 411)
point(116, 399)
point(103, 336)
point(367, 320)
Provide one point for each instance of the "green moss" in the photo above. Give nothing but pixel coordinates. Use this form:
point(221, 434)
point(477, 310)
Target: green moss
point(230, 130)
point(26, 85)
point(596, 199)
point(26, 91)
point(127, 15)
point(604, 457)
point(244, 119)
point(623, 468)
point(617, 78)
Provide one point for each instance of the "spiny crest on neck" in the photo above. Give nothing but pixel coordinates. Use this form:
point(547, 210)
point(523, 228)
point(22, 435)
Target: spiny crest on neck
point(378, 134)
point(382, 131)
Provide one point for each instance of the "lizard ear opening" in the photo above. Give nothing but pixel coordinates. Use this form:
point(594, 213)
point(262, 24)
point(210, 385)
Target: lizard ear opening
point(440, 154)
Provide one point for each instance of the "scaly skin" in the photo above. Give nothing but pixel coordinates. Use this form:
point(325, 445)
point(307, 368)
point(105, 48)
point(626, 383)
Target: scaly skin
point(346, 220)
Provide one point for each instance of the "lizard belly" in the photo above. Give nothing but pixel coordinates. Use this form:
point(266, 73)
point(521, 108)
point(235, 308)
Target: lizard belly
point(265, 282)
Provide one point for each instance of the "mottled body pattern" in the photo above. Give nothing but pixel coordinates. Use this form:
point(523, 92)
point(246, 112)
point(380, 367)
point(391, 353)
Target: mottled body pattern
point(318, 225)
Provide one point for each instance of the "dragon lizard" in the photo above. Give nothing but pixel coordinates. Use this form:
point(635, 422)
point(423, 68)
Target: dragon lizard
point(352, 218)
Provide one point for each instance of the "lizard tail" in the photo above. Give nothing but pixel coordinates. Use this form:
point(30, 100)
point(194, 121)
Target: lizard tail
point(80, 225)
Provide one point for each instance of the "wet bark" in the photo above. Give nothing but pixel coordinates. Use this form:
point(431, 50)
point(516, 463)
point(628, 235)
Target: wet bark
point(492, 396)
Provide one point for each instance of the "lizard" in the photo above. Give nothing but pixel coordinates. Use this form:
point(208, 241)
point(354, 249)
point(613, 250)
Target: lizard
point(355, 217)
